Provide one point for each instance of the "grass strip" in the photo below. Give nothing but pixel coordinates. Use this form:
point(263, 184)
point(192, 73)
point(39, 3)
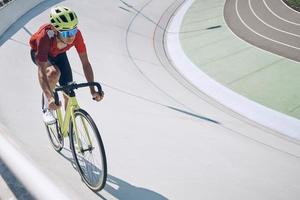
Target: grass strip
point(294, 4)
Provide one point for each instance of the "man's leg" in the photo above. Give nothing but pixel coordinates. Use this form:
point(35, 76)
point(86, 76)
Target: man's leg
point(52, 71)
point(66, 77)
point(53, 75)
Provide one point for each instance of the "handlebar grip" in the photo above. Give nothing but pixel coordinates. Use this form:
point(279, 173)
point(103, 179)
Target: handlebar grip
point(99, 88)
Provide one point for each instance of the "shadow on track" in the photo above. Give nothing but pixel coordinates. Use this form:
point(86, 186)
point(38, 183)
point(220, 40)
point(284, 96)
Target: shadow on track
point(161, 104)
point(125, 191)
point(118, 188)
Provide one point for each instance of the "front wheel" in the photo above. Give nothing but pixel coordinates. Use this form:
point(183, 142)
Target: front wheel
point(88, 150)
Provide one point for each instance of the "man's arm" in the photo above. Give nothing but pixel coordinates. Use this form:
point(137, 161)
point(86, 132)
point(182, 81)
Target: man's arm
point(89, 75)
point(87, 69)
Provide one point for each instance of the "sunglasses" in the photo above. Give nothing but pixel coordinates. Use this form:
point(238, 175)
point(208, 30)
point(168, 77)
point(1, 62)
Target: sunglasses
point(68, 33)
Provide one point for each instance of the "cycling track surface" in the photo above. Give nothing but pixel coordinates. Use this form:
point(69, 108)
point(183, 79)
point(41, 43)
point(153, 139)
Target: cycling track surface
point(164, 138)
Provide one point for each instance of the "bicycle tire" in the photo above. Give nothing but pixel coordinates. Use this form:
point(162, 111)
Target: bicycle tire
point(54, 133)
point(93, 176)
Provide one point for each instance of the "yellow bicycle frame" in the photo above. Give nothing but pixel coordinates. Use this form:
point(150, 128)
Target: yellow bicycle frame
point(64, 123)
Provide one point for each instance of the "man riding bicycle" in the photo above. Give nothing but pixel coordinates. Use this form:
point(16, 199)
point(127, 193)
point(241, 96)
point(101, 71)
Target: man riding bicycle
point(48, 51)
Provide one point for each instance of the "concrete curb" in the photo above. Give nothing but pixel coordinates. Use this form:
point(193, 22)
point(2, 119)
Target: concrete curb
point(33, 179)
point(6, 176)
point(5, 192)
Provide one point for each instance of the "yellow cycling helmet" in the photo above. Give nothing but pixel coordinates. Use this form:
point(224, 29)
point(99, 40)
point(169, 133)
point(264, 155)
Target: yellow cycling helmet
point(63, 18)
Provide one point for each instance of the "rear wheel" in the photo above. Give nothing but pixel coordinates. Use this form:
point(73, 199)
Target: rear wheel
point(54, 133)
point(88, 151)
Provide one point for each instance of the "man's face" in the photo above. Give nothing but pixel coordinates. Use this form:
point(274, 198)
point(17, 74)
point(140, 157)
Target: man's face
point(68, 40)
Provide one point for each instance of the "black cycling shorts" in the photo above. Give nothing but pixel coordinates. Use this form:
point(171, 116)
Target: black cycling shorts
point(62, 62)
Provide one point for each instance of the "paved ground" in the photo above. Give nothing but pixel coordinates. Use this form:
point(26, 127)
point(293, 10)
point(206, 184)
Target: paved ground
point(267, 78)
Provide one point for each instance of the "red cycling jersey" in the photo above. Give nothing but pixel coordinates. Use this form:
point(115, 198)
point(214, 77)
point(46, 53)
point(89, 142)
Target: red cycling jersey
point(44, 42)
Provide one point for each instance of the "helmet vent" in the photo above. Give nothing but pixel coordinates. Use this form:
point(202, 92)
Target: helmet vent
point(71, 16)
point(57, 11)
point(52, 21)
point(63, 18)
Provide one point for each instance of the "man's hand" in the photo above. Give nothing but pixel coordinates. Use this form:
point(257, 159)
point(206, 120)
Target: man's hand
point(52, 105)
point(97, 96)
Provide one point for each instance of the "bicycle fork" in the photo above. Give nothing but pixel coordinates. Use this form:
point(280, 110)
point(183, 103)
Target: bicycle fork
point(78, 140)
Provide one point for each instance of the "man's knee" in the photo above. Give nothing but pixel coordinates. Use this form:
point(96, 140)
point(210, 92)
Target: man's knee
point(53, 73)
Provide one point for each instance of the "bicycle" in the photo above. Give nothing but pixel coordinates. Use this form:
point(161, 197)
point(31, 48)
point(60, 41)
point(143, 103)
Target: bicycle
point(84, 137)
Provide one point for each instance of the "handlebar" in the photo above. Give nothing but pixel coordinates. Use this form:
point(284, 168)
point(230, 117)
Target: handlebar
point(69, 89)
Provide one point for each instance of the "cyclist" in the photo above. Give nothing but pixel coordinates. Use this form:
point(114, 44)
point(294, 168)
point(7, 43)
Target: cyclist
point(48, 51)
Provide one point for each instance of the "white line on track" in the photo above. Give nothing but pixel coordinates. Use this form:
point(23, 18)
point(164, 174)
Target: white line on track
point(263, 36)
point(265, 23)
point(279, 17)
